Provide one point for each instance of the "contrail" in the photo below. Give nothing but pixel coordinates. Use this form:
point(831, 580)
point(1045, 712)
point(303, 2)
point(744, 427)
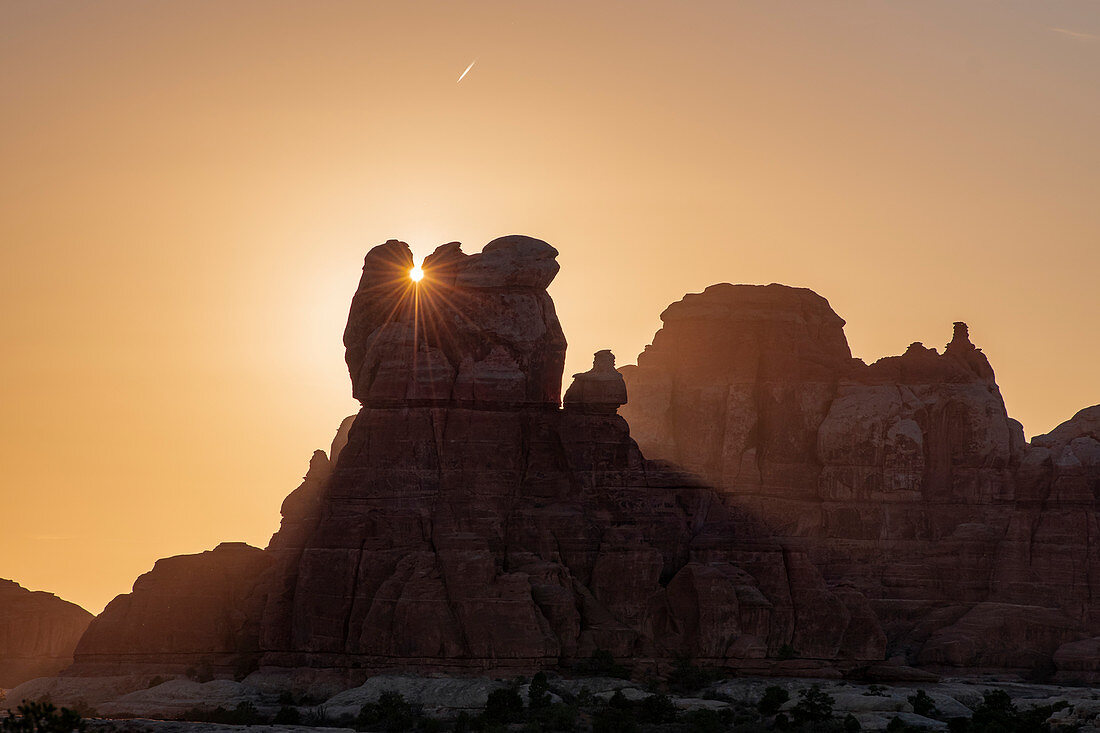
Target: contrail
point(1074, 34)
point(467, 71)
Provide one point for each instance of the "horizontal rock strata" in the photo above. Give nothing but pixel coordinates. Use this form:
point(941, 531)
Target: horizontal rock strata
point(905, 478)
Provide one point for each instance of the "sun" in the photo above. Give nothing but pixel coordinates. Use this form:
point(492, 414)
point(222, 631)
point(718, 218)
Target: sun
point(416, 274)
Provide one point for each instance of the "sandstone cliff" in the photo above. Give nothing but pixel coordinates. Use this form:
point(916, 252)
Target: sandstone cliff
point(905, 478)
point(38, 632)
point(190, 613)
point(466, 521)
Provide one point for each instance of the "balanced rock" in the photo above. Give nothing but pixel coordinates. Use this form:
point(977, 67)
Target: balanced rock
point(472, 524)
point(600, 389)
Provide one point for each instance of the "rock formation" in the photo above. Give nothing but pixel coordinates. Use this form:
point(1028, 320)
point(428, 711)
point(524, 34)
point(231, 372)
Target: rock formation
point(38, 632)
point(190, 613)
point(472, 523)
point(599, 390)
point(905, 478)
point(465, 521)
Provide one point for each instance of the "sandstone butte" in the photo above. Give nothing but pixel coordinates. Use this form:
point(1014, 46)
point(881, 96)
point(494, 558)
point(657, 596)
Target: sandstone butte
point(464, 521)
point(38, 632)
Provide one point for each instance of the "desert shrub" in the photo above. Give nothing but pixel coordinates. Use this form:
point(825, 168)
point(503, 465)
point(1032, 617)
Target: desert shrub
point(538, 694)
point(504, 706)
point(287, 715)
point(245, 713)
point(685, 678)
point(708, 721)
point(922, 704)
point(850, 724)
point(772, 699)
point(814, 707)
point(997, 714)
point(391, 713)
point(556, 717)
point(656, 709)
point(41, 717)
point(613, 719)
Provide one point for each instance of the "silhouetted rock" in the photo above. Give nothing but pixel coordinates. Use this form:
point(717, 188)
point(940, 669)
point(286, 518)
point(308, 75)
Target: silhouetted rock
point(471, 524)
point(905, 479)
point(38, 632)
point(600, 389)
point(192, 613)
point(463, 521)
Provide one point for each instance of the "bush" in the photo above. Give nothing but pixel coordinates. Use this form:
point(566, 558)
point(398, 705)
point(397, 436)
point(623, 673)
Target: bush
point(244, 714)
point(686, 678)
point(614, 720)
point(504, 706)
point(708, 721)
point(773, 699)
point(557, 717)
point(851, 725)
point(657, 709)
point(922, 704)
point(391, 713)
point(997, 714)
point(814, 706)
point(538, 694)
point(287, 715)
point(41, 717)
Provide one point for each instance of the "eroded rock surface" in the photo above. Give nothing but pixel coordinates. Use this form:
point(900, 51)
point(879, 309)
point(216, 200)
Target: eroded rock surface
point(905, 479)
point(471, 523)
point(38, 633)
point(197, 613)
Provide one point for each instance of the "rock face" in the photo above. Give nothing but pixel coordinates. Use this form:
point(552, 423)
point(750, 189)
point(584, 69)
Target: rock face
point(38, 632)
point(905, 479)
point(470, 523)
point(189, 613)
point(599, 390)
point(464, 521)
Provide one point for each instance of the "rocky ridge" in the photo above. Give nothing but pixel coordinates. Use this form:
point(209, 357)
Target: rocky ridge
point(905, 478)
point(467, 522)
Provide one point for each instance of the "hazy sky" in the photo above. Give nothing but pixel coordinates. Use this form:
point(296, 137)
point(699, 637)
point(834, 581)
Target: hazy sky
point(187, 189)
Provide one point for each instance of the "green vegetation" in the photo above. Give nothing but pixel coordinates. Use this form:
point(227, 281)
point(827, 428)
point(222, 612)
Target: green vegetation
point(546, 707)
point(687, 679)
point(923, 705)
point(41, 717)
point(773, 699)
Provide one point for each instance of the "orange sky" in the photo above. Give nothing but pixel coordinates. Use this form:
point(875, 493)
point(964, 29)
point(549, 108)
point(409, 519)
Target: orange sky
point(187, 188)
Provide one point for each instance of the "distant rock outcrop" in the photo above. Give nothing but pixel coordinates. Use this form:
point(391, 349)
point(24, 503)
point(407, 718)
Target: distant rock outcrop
point(38, 633)
point(905, 478)
point(190, 613)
